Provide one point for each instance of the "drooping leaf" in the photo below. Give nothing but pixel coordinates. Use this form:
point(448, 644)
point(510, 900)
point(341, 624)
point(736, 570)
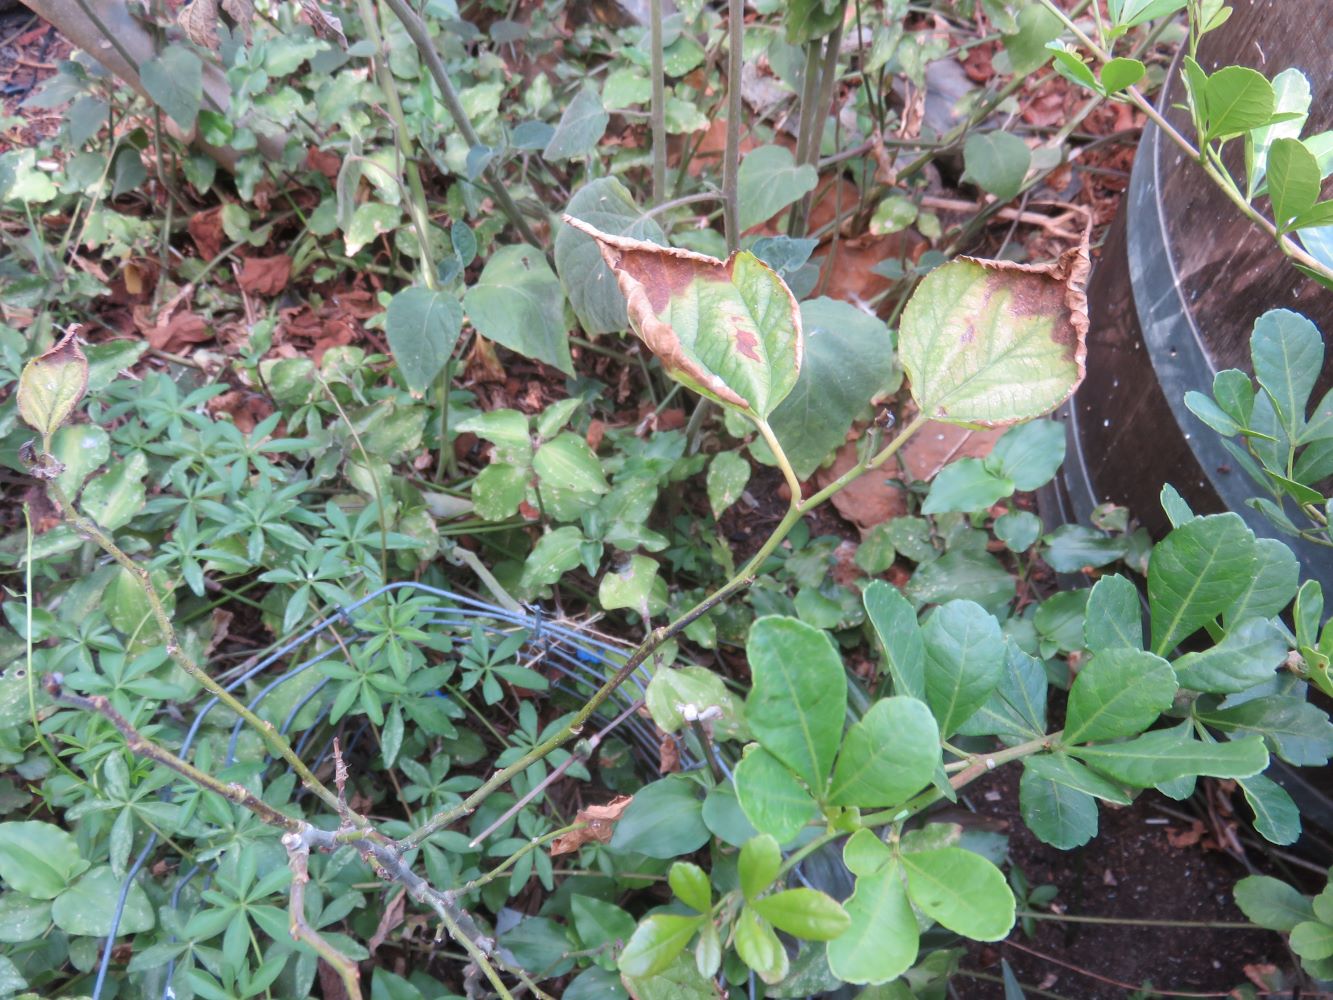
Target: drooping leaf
point(1276, 815)
point(1064, 770)
point(728, 330)
point(1248, 654)
point(518, 302)
point(995, 343)
point(1119, 692)
point(588, 282)
point(1293, 728)
point(798, 697)
point(422, 326)
point(52, 384)
point(1059, 815)
point(848, 360)
point(768, 181)
point(890, 754)
point(728, 474)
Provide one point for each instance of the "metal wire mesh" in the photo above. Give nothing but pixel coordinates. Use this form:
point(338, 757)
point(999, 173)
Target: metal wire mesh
point(582, 659)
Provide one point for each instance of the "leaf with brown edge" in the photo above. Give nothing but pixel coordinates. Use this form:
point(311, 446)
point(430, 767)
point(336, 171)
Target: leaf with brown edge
point(730, 330)
point(52, 385)
point(599, 823)
point(991, 343)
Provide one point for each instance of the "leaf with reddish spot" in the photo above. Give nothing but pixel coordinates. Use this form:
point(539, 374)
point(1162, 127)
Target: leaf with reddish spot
point(52, 385)
point(730, 330)
point(992, 342)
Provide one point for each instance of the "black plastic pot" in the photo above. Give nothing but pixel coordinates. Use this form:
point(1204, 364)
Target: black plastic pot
point(1174, 296)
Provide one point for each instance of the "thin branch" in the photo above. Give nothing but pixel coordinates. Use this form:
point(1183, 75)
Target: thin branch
point(732, 157)
point(298, 859)
point(659, 101)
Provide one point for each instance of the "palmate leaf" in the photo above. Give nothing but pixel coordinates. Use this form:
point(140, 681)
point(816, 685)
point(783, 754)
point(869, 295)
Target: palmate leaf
point(730, 330)
point(995, 343)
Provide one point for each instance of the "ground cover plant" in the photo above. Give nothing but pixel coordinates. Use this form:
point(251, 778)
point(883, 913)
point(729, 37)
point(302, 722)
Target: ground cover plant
point(424, 427)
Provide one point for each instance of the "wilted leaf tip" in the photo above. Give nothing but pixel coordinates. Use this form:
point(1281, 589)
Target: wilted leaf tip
point(665, 289)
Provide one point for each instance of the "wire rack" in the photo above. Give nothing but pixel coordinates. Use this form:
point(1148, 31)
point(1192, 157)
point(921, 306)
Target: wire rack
point(581, 658)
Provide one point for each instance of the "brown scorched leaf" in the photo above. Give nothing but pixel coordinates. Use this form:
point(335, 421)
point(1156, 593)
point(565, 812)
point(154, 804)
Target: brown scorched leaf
point(730, 330)
point(599, 823)
point(992, 342)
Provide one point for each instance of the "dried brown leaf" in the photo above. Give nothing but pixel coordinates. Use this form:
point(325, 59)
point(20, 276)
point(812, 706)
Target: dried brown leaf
point(265, 275)
point(599, 824)
point(199, 21)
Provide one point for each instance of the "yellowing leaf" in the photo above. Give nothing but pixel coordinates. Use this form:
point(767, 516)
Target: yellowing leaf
point(730, 330)
point(52, 385)
point(992, 343)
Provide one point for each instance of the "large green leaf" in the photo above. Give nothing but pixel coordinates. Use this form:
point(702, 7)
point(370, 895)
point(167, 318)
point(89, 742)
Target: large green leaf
point(1064, 770)
point(422, 326)
point(729, 330)
point(87, 907)
point(1293, 180)
point(589, 283)
point(657, 941)
point(768, 181)
point(890, 754)
point(38, 859)
point(1114, 617)
point(581, 126)
point(882, 941)
point(1166, 754)
point(848, 360)
point(997, 161)
point(1288, 354)
point(966, 486)
point(993, 343)
point(1294, 729)
point(965, 653)
point(770, 796)
point(518, 303)
point(22, 919)
point(1271, 587)
point(1248, 654)
point(1276, 815)
point(895, 623)
point(1016, 711)
point(1119, 692)
point(961, 890)
point(1237, 99)
point(1059, 815)
point(1196, 573)
point(1272, 903)
point(798, 698)
point(663, 820)
point(805, 913)
point(567, 463)
point(174, 80)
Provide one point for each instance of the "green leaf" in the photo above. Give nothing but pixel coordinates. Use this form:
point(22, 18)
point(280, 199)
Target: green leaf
point(965, 485)
point(728, 474)
point(1293, 97)
point(1237, 99)
point(1120, 73)
point(507, 430)
point(1166, 754)
point(1070, 65)
point(882, 940)
point(1293, 180)
point(963, 575)
point(1129, 13)
point(1027, 47)
point(1115, 617)
point(80, 448)
point(724, 816)
point(518, 303)
point(985, 343)
point(961, 890)
point(581, 127)
point(807, 20)
point(1196, 573)
point(758, 865)
point(555, 554)
point(1064, 770)
point(175, 82)
point(51, 386)
point(1119, 692)
point(1276, 815)
point(1072, 547)
point(663, 820)
point(965, 653)
point(758, 946)
point(1312, 940)
point(890, 754)
point(768, 181)
point(674, 687)
point(422, 327)
point(730, 330)
point(657, 941)
point(1016, 712)
point(598, 922)
point(997, 161)
point(690, 884)
point(86, 907)
point(1283, 347)
point(23, 919)
point(899, 635)
point(1271, 903)
point(1271, 587)
point(804, 913)
point(1297, 731)
point(1211, 414)
point(848, 361)
point(499, 490)
point(11, 979)
point(1059, 815)
point(588, 282)
point(38, 859)
point(771, 797)
point(567, 463)
point(1029, 454)
point(1248, 654)
point(798, 697)
point(371, 220)
point(629, 586)
point(1018, 529)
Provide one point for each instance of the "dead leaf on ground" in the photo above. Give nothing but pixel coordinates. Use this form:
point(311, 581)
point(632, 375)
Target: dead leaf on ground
point(326, 161)
point(599, 824)
point(265, 275)
point(937, 444)
point(868, 500)
point(246, 409)
point(206, 231)
point(172, 332)
point(1185, 838)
